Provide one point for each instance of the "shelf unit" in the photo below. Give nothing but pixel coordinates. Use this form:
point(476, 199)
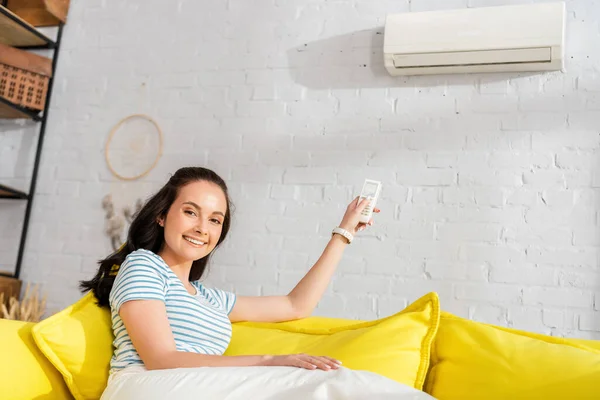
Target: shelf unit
point(16, 32)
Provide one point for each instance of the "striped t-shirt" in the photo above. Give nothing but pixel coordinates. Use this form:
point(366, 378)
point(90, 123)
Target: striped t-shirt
point(200, 323)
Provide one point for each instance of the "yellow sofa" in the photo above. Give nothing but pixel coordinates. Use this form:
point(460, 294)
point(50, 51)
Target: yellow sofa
point(462, 359)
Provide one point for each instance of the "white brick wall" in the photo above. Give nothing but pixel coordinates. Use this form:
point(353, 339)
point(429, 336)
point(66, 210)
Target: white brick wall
point(490, 190)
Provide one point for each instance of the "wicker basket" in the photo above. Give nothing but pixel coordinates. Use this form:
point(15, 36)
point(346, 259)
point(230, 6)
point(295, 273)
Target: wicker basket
point(24, 77)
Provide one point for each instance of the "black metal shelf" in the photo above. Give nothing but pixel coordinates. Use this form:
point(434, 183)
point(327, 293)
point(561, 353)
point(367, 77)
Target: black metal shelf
point(16, 32)
point(10, 193)
point(10, 110)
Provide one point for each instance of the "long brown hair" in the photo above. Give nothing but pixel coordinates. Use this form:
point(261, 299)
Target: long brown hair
point(145, 233)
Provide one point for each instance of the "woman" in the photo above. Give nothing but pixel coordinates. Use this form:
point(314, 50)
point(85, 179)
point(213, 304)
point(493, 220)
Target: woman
point(162, 316)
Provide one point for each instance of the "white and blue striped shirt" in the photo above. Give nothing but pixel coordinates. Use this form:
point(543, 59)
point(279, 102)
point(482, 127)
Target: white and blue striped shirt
point(200, 323)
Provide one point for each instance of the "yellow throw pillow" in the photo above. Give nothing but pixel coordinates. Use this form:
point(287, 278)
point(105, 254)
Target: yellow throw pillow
point(591, 344)
point(310, 322)
point(397, 347)
point(24, 371)
point(471, 360)
point(78, 342)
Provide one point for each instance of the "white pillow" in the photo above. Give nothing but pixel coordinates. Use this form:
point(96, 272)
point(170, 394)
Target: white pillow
point(264, 383)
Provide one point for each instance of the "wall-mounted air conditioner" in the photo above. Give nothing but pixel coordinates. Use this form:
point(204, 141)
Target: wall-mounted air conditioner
point(526, 37)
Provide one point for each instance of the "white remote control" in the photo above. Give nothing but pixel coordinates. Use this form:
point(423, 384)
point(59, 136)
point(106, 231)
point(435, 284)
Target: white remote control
point(369, 191)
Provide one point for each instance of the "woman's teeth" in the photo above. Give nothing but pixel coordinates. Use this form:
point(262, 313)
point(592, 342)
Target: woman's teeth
point(196, 242)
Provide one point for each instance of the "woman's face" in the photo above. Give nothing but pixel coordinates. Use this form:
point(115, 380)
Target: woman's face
point(194, 222)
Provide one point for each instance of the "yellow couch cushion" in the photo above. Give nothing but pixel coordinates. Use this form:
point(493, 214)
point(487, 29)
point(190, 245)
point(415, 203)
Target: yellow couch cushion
point(397, 347)
point(592, 344)
point(78, 342)
point(471, 360)
point(310, 322)
point(24, 371)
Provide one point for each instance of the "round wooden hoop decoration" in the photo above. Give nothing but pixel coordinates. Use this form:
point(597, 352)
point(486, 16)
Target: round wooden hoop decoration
point(112, 133)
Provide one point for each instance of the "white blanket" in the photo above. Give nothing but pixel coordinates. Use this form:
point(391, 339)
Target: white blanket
point(260, 383)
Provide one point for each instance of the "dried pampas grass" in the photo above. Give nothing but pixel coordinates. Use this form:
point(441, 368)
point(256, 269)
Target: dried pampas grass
point(30, 309)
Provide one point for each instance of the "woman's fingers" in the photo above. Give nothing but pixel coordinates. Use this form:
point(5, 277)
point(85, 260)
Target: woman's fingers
point(362, 204)
point(354, 203)
point(331, 363)
point(306, 365)
point(362, 226)
point(335, 362)
point(313, 362)
point(324, 363)
point(319, 363)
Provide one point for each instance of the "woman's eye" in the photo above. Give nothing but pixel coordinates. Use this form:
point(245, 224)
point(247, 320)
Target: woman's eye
point(216, 221)
point(190, 212)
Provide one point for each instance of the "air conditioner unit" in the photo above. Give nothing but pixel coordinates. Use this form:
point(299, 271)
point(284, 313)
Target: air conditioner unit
point(526, 37)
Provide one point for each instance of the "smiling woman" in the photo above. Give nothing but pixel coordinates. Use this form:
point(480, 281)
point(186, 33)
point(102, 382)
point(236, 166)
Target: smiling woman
point(163, 317)
point(149, 228)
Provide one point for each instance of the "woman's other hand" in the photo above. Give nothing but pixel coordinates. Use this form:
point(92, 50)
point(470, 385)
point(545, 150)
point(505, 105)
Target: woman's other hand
point(351, 220)
point(305, 361)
